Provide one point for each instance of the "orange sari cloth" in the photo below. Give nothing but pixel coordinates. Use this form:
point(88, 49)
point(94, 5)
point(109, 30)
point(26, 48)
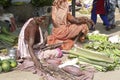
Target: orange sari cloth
point(64, 31)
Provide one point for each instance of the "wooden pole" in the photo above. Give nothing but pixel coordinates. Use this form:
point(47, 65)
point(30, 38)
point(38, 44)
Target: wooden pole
point(73, 7)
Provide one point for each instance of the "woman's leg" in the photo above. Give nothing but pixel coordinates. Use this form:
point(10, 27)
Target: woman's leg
point(93, 17)
point(111, 15)
point(105, 20)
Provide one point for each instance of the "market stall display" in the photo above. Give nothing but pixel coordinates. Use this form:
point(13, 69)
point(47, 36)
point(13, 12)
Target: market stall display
point(7, 38)
point(7, 65)
point(99, 52)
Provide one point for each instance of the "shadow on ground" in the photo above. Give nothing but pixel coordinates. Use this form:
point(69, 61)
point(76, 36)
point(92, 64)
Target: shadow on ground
point(101, 28)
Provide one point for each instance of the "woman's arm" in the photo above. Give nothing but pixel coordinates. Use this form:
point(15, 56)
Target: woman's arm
point(72, 19)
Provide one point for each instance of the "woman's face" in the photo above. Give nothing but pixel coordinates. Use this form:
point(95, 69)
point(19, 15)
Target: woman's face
point(40, 20)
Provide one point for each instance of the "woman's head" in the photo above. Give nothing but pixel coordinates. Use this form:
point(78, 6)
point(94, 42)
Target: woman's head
point(39, 20)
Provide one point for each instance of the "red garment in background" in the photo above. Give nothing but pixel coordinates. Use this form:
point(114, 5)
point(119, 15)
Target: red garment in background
point(100, 7)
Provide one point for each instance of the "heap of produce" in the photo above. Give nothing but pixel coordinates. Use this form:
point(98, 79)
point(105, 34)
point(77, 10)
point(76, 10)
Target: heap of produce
point(98, 52)
point(100, 43)
point(7, 37)
point(7, 65)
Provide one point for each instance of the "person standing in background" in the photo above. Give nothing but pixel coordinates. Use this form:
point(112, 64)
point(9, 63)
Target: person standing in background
point(118, 2)
point(111, 12)
point(99, 7)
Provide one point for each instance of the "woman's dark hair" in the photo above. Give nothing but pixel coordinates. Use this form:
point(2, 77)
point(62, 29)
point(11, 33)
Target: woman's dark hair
point(49, 9)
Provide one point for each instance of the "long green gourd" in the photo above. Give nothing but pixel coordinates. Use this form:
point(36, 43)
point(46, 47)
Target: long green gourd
point(91, 55)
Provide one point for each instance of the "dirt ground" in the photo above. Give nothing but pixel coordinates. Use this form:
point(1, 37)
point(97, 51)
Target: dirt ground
point(111, 75)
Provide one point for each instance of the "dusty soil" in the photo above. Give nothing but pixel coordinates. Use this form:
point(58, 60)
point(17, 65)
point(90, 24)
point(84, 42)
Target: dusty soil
point(112, 75)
